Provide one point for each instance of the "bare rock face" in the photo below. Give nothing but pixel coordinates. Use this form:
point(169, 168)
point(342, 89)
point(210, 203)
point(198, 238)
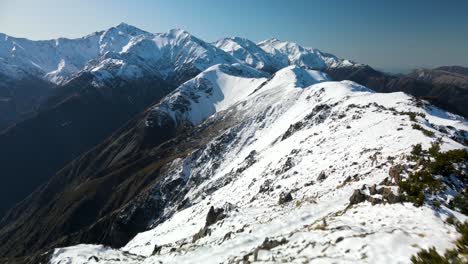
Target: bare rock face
point(205, 231)
point(357, 197)
point(387, 196)
point(395, 173)
point(285, 198)
point(322, 176)
point(265, 187)
point(271, 243)
point(267, 244)
point(214, 215)
point(157, 249)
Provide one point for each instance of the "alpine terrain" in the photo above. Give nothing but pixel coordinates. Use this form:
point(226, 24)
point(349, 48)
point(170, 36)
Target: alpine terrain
point(164, 148)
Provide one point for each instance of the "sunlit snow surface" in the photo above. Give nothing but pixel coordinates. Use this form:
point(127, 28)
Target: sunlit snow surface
point(338, 140)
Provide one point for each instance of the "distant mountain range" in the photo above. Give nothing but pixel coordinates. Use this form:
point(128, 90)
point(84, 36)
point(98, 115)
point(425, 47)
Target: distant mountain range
point(67, 95)
point(169, 148)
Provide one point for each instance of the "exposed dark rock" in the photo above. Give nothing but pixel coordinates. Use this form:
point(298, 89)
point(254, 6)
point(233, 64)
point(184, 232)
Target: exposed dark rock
point(285, 198)
point(387, 181)
point(339, 239)
point(388, 195)
point(357, 197)
point(269, 244)
point(287, 165)
point(205, 231)
point(227, 236)
point(322, 176)
point(292, 128)
point(266, 245)
point(156, 250)
point(308, 183)
point(214, 215)
point(395, 173)
point(96, 259)
point(265, 187)
point(373, 200)
point(249, 160)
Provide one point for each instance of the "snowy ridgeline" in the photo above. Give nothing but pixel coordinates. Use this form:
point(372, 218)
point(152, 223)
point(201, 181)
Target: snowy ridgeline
point(127, 52)
point(279, 188)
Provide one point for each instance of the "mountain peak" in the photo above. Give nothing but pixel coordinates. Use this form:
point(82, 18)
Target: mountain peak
point(178, 33)
point(298, 77)
point(123, 25)
point(271, 40)
point(128, 29)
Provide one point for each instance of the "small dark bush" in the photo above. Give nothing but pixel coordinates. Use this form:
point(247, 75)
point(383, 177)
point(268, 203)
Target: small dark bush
point(423, 130)
point(434, 149)
point(413, 115)
point(423, 181)
point(444, 162)
point(454, 256)
point(461, 201)
point(418, 183)
point(428, 133)
point(428, 257)
point(417, 150)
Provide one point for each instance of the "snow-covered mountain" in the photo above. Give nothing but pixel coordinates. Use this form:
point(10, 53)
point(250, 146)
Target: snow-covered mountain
point(123, 54)
point(123, 50)
point(286, 53)
point(273, 54)
point(213, 90)
point(281, 177)
point(128, 52)
point(122, 69)
point(256, 156)
point(249, 53)
point(58, 59)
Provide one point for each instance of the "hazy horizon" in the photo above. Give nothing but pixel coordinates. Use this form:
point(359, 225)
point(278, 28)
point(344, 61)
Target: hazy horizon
point(394, 36)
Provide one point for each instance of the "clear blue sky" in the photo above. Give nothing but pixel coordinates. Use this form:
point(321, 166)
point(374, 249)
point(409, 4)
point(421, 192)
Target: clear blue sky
point(390, 35)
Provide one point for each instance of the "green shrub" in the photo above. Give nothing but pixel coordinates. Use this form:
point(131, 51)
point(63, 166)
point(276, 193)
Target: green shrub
point(417, 184)
point(461, 201)
point(453, 256)
point(423, 181)
point(451, 220)
point(417, 150)
point(444, 162)
point(413, 115)
point(462, 242)
point(434, 150)
point(428, 133)
point(423, 130)
point(428, 257)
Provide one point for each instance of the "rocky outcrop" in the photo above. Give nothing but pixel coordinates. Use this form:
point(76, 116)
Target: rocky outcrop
point(285, 198)
point(395, 173)
point(214, 215)
point(386, 195)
